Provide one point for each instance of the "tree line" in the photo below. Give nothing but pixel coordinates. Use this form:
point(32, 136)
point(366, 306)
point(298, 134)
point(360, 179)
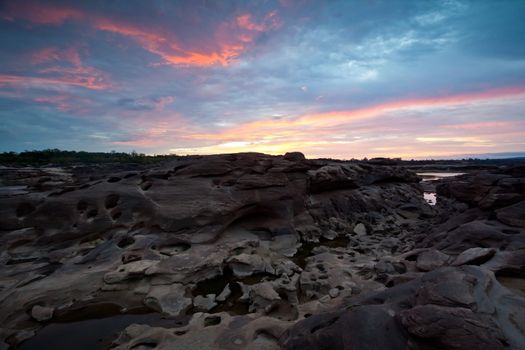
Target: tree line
point(56, 156)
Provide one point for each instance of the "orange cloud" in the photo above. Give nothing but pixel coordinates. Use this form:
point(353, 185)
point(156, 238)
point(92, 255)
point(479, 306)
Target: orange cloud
point(230, 39)
point(228, 45)
point(157, 43)
point(57, 67)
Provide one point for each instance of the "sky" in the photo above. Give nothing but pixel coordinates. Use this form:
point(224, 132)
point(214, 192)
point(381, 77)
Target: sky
point(341, 79)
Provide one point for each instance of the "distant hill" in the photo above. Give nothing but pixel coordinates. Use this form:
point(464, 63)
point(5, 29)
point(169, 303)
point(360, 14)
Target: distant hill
point(500, 155)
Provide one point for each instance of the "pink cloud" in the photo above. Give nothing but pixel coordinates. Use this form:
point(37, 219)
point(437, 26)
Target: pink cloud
point(379, 130)
point(67, 103)
point(480, 125)
point(57, 68)
point(53, 54)
point(229, 39)
point(88, 82)
point(229, 43)
point(248, 22)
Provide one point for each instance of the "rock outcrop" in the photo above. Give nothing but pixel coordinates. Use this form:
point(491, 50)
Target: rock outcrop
point(262, 252)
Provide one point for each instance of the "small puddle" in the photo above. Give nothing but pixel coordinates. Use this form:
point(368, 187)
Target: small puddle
point(437, 175)
point(88, 329)
point(430, 196)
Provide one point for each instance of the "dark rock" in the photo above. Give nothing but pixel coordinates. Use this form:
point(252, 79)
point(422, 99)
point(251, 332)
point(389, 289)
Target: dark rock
point(294, 156)
point(513, 215)
point(453, 327)
point(474, 256)
point(342, 254)
point(431, 259)
point(451, 308)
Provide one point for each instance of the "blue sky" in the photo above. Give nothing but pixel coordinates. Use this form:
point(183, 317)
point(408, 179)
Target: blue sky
point(329, 78)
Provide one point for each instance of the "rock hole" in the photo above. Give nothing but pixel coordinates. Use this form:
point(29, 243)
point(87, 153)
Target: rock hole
point(128, 257)
point(115, 214)
point(113, 179)
point(180, 247)
point(411, 257)
point(92, 213)
point(212, 321)
point(265, 335)
point(126, 241)
point(179, 332)
point(111, 201)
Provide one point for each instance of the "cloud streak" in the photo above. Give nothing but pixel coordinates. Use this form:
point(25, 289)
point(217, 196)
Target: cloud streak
point(231, 37)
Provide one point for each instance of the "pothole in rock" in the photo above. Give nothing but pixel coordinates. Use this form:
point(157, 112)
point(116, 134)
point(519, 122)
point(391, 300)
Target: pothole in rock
point(232, 304)
point(306, 249)
point(173, 249)
point(94, 327)
point(212, 321)
point(126, 241)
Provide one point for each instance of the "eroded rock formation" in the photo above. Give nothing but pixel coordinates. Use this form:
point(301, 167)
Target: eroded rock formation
point(249, 251)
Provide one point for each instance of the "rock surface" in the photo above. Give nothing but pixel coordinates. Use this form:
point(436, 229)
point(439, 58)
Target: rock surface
point(265, 252)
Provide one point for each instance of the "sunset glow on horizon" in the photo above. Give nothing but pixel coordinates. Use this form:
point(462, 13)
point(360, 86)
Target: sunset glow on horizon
point(340, 79)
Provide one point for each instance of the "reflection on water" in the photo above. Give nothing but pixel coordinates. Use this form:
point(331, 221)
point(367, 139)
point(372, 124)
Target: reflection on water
point(430, 196)
point(437, 176)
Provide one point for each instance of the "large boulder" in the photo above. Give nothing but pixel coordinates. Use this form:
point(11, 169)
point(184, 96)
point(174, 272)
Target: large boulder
point(513, 215)
point(452, 308)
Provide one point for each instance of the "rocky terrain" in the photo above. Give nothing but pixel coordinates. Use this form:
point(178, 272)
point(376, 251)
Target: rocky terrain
point(250, 251)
